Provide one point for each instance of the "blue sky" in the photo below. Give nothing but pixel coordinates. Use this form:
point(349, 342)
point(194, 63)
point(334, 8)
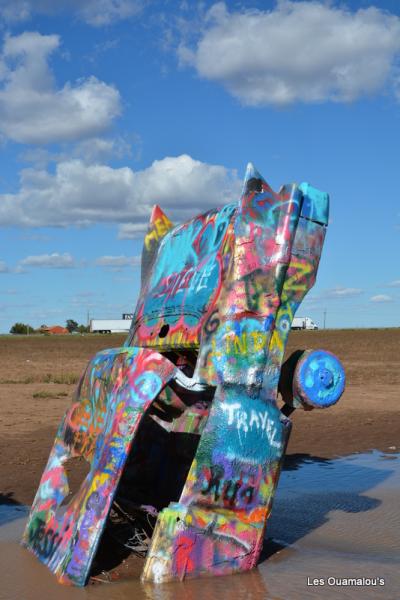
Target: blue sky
point(107, 107)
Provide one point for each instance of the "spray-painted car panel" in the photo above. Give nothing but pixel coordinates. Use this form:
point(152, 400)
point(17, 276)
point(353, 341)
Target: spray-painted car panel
point(203, 359)
point(113, 395)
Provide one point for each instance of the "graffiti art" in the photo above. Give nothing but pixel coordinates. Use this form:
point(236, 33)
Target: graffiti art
point(185, 427)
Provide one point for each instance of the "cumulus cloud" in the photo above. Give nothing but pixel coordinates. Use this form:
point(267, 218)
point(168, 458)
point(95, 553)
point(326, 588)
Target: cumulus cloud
point(3, 267)
point(381, 298)
point(101, 149)
point(104, 12)
point(395, 283)
point(131, 231)
point(83, 194)
point(90, 150)
point(33, 110)
point(94, 12)
point(49, 261)
point(118, 262)
point(299, 51)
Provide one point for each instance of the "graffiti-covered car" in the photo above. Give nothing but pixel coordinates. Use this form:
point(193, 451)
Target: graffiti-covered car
point(185, 427)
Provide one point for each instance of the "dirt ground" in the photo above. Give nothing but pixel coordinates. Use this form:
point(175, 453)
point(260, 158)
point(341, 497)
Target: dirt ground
point(39, 374)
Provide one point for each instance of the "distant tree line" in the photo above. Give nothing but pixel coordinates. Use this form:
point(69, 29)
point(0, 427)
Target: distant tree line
point(26, 329)
point(22, 329)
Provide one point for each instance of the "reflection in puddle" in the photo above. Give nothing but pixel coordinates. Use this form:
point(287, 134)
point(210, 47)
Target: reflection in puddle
point(331, 519)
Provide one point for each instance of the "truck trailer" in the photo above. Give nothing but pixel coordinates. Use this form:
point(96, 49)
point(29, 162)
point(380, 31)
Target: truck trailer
point(303, 323)
point(110, 325)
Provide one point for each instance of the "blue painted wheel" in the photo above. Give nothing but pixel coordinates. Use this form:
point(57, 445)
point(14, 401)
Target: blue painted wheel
point(319, 379)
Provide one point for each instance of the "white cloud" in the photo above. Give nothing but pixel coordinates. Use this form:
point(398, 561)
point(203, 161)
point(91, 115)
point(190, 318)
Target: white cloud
point(3, 267)
point(50, 261)
point(381, 298)
point(101, 149)
point(395, 283)
point(94, 12)
point(342, 292)
point(299, 51)
point(104, 12)
point(118, 262)
point(81, 195)
point(33, 110)
point(90, 150)
point(38, 156)
point(15, 11)
point(132, 231)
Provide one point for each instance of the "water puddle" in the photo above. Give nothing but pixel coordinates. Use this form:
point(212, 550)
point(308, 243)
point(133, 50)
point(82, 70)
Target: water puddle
point(332, 521)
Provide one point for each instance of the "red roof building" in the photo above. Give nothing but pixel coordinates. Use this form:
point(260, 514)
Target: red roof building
point(54, 330)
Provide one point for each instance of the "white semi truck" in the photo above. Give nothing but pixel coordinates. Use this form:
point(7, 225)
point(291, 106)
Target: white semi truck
point(303, 323)
point(110, 325)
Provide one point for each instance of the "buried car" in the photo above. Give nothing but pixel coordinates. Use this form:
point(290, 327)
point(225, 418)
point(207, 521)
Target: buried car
point(182, 427)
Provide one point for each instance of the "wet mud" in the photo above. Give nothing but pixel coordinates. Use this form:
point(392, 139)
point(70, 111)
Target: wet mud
point(334, 534)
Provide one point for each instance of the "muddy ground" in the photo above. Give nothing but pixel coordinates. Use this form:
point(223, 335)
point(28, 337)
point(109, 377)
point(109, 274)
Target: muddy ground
point(39, 374)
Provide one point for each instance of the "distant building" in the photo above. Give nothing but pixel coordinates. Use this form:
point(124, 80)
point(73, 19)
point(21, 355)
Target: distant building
point(53, 330)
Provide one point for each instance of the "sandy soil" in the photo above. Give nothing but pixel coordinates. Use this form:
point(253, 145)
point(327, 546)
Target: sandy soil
point(38, 376)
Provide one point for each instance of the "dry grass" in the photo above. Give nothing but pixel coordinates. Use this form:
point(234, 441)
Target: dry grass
point(50, 359)
point(63, 379)
point(368, 355)
point(44, 394)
